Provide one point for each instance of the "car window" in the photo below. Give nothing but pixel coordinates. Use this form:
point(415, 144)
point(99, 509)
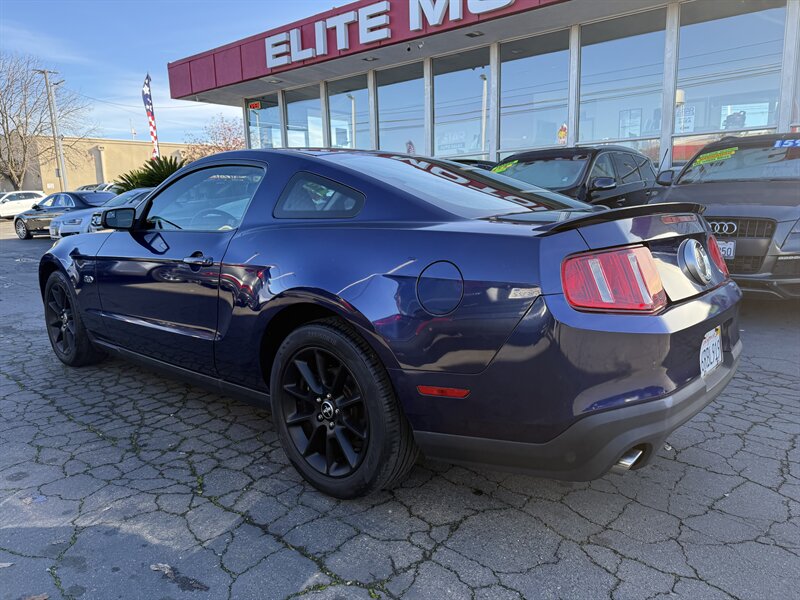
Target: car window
point(646, 170)
point(48, 202)
point(626, 167)
point(549, 172)
point(603, 166)
point(63, 201)
point(744, 160)
point(210, 199)
point(309, 196)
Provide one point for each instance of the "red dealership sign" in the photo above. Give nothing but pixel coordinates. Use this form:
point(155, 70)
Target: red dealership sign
point(350, 29)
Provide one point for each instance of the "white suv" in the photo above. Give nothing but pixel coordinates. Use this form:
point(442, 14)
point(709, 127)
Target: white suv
point(13, 203)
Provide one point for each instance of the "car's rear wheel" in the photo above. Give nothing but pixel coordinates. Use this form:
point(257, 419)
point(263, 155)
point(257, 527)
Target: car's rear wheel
point(68, 336)
point(22, 230)
point(336, 413)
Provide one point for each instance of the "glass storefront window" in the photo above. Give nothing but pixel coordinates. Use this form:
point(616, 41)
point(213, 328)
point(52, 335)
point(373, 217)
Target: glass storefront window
point(729, 65)
point(348, 105)
point(264, 122)
point(461, 85)
point(401, 109)
point(622, 76)
point(534, 89)
point(304, 118)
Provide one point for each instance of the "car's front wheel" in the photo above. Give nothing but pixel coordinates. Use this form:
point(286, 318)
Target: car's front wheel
point(68, 336)
point(336, 412)
point(22, 230)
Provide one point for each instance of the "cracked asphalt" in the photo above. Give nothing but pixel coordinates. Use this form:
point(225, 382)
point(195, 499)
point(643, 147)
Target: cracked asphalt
point(117, 482)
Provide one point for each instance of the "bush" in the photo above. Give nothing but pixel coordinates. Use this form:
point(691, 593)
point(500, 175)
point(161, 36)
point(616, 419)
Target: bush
point(151, 174)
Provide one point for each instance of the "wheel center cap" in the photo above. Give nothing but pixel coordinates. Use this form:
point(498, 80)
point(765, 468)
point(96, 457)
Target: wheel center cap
point(327, 410)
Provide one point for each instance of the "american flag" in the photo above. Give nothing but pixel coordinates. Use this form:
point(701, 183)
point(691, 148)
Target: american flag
point(147, 98)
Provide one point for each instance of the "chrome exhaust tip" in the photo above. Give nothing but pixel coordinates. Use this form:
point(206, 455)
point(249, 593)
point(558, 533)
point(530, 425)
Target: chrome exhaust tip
point(628, 460)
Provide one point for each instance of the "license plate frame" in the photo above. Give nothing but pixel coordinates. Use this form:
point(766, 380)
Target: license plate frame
point(711, 352)
point(727, 248)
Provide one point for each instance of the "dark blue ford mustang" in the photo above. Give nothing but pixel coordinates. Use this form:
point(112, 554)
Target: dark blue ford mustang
point(385, 304)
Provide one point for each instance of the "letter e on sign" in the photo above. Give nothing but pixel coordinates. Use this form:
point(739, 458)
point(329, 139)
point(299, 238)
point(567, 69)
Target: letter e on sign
point(373, 22)
point(277, 50)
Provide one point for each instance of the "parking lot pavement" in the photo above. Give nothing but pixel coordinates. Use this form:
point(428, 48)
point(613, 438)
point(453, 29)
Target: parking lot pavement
point(116, 482)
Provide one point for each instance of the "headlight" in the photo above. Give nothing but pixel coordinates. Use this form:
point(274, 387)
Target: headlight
point(72, 222)
point(796, 228)
point(96, 221)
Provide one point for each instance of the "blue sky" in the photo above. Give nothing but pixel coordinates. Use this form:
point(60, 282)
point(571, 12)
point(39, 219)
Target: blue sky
point(103, 48)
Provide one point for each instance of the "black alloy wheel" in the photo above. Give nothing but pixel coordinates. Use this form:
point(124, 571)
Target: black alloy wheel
point(336, 413)
point(60, 319)
point(22, 230)
point(324, 412)
point(68, 336)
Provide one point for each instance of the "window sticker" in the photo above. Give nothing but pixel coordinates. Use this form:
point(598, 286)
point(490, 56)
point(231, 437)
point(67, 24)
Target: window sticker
point(504, 167)
point(787, 143)
point(716, 156)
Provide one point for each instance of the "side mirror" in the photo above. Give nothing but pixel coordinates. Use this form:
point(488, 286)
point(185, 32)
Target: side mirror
point(36, 207)
point(665, 177)
point(119, 218)
point(602, 183)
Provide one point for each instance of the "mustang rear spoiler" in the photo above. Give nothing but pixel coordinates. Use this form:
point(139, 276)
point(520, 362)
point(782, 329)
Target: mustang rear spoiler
point(624, 213)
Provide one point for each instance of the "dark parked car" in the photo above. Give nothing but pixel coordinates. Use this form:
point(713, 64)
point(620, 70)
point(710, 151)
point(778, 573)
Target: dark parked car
point(383, 303)
point(750, 187)
point(612, 176)
point(37, 220)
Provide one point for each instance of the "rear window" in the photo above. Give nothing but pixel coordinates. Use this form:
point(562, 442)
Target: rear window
point(745, 161)
point(555, 172)
point(96, 198)
point(468, 192)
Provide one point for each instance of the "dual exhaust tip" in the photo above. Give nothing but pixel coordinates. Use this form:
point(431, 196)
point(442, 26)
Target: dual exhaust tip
point(628, 460)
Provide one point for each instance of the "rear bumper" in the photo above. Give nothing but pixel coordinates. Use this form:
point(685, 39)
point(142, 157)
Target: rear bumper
point(592, 445)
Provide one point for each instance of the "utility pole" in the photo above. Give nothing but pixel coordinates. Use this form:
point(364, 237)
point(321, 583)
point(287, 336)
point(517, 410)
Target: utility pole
point(62, 171)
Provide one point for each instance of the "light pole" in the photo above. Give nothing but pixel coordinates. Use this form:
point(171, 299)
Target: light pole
point(62, 171)
point(352, 120)
point(484, 103)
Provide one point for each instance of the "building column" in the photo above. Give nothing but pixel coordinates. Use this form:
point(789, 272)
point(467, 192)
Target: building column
point(284, 121)
point(493, 145)
point(427, 77)
point(101, 158)
point(573, 107)
point(246, 121)
point(670, 88)
point(372, 92)
point(790, 67)
point(326, 117)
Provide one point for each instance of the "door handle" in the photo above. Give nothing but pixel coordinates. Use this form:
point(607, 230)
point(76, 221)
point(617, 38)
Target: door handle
point(198, 260)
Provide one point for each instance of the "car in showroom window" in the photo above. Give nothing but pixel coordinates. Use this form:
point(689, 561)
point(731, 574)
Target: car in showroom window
point(610, 176)
point(750, 187)
point(382, 305)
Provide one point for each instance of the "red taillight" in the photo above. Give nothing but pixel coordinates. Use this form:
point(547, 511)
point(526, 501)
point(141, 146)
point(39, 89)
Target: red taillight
point(716, 255)
point(445, 392)
point(614, 280)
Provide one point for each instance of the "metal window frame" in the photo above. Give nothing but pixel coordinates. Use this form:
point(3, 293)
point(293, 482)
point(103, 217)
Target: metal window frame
point(790, 79)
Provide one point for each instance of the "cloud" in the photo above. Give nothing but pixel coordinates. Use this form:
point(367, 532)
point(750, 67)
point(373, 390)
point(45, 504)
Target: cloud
point(16, 38)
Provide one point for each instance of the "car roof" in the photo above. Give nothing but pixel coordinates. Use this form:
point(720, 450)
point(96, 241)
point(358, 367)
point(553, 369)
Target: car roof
point(567, 152)
point(753, 140)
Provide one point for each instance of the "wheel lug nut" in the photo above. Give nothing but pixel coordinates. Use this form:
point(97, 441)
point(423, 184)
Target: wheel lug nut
point(331, 425)
point(336, 412)
point(319, 417)
point(319, 400)
point(329, 396)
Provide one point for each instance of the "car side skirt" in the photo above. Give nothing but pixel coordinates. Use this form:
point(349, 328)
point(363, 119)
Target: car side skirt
point(252, 396)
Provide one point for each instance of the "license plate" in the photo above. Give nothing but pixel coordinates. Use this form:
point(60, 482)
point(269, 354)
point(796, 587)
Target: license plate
point(728, 249)
point(711, 351)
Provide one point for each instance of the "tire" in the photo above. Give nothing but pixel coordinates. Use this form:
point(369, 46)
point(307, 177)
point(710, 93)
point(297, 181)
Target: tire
point(357, 406)
point(68, 336)
point(22, 230)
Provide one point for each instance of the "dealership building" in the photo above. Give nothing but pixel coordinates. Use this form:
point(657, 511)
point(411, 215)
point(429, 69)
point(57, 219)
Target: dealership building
point(488, 78)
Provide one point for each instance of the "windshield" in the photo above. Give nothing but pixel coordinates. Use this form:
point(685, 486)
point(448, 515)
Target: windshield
point(556, 172)
point(468, 192)
point(772, 160)
point(125, 198)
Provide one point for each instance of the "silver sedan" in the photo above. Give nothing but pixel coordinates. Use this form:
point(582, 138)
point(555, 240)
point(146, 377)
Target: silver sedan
point(88, 220)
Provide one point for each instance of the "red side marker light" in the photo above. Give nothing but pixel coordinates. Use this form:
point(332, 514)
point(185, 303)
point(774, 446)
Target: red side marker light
point(442, 392)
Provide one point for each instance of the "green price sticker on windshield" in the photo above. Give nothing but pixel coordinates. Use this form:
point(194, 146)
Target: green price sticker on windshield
point(504, 167)
point(715, 156)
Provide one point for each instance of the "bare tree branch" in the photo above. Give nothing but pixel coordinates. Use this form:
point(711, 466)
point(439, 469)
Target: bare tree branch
point(220, 135)
point(25, 130)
